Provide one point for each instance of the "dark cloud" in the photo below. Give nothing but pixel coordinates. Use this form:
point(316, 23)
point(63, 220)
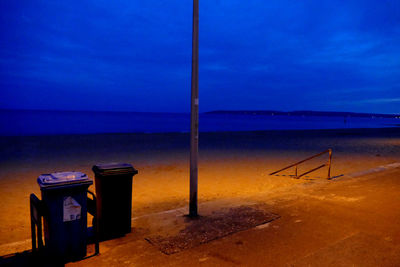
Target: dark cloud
point(136, 55)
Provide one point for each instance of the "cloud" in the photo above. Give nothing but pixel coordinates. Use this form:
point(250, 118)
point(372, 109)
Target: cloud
point(253, 53)
point(380, 100)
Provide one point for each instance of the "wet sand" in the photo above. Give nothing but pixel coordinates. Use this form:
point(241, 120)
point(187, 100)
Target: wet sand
point(232, 164)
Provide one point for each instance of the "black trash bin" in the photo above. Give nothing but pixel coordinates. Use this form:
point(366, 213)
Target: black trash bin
point(64, 197)
point(114, 198)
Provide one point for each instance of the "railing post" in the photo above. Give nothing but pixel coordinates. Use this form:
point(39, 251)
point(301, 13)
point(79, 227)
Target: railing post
point(295, 172)
point(329, 164)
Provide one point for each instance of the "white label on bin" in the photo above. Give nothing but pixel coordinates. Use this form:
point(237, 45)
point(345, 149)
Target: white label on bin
point(72, 209)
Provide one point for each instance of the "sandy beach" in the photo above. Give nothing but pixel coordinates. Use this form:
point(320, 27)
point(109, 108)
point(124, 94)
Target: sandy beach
point(232, 164)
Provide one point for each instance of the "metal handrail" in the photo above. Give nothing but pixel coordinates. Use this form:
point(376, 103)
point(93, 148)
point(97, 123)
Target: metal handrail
point(309, 158)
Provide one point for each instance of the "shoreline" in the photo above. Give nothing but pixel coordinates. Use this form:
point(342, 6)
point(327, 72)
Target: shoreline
point(64, 123)
point(391, 126)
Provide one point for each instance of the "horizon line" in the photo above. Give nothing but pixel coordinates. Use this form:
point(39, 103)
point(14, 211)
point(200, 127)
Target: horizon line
point(205, 112)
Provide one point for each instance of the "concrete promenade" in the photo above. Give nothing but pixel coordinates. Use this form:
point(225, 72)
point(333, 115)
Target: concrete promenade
point(348, 221)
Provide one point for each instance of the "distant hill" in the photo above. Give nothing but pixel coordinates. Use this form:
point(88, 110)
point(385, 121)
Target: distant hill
point(304, 113)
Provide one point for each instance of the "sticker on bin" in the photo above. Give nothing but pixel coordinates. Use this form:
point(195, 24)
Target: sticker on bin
point(72, 209)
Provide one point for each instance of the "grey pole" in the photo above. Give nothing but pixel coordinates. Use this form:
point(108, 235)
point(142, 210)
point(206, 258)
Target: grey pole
point(194, 113)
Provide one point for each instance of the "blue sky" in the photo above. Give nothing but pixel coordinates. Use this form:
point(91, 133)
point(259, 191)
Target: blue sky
point(254, 55)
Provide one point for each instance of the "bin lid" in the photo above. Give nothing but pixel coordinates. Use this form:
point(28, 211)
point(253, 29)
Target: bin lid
point(114, 168)
point(57, 179)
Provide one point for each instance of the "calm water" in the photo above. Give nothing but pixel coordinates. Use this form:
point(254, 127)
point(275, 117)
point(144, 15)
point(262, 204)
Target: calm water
point(15, 123)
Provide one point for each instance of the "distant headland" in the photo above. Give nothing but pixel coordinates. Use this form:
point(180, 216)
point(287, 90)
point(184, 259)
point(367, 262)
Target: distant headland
point(304, 113)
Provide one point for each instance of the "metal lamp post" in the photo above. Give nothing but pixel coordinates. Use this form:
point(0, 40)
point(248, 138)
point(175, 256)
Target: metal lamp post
point(194, 113)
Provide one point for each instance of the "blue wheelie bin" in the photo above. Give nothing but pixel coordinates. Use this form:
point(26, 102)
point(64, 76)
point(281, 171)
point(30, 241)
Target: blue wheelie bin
point(64, 198)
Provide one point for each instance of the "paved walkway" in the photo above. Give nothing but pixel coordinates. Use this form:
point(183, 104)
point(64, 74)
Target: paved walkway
point(350, 221)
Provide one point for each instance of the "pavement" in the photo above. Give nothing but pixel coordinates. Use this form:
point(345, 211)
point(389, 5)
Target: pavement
point(347, 221)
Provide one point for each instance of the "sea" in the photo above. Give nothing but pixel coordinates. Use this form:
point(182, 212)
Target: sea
point(41, 122)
